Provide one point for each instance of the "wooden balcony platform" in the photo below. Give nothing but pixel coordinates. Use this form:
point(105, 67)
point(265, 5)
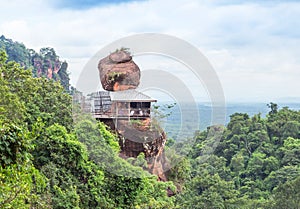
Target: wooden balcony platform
point(133, 113)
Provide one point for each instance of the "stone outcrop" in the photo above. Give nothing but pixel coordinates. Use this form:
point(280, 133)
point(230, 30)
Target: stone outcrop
point(118, 72)
point(150, 141)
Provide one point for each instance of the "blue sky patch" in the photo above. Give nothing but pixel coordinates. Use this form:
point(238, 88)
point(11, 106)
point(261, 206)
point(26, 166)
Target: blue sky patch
point(86, 4)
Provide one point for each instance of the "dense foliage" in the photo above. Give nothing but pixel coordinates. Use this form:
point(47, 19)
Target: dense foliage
point(255, 165)
point(47, 162)
point(45, 63)
point(50, 161)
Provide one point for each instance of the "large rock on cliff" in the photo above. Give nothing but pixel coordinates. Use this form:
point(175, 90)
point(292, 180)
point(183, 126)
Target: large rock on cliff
point(119, 72)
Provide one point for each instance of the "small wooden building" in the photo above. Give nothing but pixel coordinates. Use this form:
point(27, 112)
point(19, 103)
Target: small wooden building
point(118, 110)
point(129, 104)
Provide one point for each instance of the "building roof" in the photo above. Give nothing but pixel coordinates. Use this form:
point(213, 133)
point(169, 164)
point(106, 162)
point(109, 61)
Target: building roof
point(130, 95)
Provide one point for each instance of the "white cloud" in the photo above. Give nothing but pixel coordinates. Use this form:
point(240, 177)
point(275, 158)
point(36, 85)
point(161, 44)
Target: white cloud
point(254, 46)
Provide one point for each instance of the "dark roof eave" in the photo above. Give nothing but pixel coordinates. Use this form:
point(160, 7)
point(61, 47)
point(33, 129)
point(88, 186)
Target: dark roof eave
point(150, 100)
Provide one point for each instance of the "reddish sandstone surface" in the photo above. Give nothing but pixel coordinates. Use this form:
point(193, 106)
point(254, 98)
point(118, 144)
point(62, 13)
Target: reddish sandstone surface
point(150, 141)
point(118, 72)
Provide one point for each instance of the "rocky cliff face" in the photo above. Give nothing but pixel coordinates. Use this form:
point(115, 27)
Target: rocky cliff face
point(44, 63)
point(118, 72)
point(135, 139)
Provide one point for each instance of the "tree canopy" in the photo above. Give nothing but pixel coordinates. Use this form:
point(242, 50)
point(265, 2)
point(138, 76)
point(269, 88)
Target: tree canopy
point(47, 162)
point(50, 161)
point(45, 63)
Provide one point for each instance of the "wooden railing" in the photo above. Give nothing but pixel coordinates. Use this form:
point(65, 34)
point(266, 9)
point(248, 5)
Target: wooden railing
point(121, 113)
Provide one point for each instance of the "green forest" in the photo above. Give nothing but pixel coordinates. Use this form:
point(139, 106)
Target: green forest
point(45, 63)
point(53, 159)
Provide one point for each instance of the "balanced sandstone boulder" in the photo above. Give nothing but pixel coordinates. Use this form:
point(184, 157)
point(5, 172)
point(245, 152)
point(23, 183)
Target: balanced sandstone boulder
point(118, 71)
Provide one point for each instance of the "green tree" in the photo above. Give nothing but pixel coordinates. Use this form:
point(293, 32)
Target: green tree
point(22, 185)
point(208, 191)
point(64, 76)
point(125, 185)
point(273, 107)
point(286, 195)
point(40, 63)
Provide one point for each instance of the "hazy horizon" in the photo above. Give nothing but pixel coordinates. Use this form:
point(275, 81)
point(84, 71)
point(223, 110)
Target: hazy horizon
point(252, 45)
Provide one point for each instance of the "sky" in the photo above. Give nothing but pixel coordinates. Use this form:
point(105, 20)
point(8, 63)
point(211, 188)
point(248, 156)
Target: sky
point(253, 46)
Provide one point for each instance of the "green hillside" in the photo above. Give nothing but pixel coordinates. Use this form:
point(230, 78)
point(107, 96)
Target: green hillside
point(45, 63)
point(50, 161)
point(255, 165)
